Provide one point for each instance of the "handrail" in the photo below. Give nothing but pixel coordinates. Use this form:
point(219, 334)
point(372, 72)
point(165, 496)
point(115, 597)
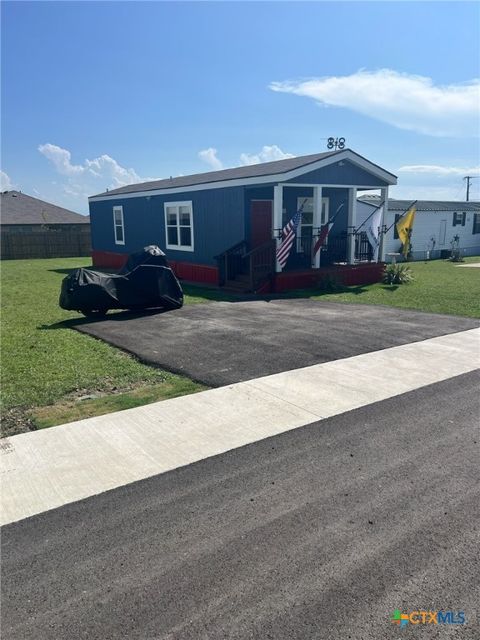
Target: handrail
point(263, 269)
point(231, 249)
point(228, 261)
point(259, 262)
point(259, 248)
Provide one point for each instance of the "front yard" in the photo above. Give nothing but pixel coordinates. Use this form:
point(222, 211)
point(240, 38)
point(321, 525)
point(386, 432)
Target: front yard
point(47, 367)
point(440, 286)
point(52, 374)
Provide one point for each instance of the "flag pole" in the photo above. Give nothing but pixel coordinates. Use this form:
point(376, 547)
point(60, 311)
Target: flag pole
point(374, 211)
point(329, 225)
point(288, 235)
point(407, 209)
point(333, 218)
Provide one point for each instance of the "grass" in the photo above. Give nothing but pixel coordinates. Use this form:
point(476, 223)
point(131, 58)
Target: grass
point(438, 287)
point(78, 409)
point(47, 367)
point(45, 363)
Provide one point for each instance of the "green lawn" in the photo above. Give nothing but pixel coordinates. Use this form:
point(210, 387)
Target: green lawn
point(45, 363)
point(440, 286)
point(47, 367)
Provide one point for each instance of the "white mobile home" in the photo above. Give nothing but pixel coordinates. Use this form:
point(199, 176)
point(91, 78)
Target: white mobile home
point(437, 225)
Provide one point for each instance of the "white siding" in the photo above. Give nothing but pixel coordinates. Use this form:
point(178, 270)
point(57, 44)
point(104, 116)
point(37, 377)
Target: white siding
point(427, 227)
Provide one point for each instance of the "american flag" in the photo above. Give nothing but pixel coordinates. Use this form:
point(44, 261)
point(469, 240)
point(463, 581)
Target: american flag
point(288, 236)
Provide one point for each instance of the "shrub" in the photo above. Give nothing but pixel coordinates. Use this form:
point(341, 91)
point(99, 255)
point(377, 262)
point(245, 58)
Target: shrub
point(397, 274)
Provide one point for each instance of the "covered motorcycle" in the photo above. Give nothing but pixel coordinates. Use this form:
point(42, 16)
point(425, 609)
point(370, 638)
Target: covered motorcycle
point(146, 281)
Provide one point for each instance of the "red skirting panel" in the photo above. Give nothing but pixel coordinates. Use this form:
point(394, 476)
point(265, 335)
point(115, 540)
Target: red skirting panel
point(348, 275)
point(195, 272)
point(108, 259)
point(183, 270)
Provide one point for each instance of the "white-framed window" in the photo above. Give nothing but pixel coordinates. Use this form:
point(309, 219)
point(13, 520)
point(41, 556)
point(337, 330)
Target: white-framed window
point(179, 225)
point(118, 227)
point(304, 238)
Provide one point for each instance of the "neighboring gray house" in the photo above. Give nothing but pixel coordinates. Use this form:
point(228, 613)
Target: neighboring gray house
point(437, 224)
point(33, 228)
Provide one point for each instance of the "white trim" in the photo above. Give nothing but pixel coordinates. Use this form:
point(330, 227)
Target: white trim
point(277, 219)
point(116, 209)
point(179, 247)
point(275, 178)
point(383, 222)
point(317, 219)
point(302, 225)
point(217, 185)
point(351, 224)
point(352, 157)
point(311, 185)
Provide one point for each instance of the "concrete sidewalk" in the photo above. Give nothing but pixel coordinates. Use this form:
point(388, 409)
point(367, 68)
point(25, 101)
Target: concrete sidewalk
point(46, 469)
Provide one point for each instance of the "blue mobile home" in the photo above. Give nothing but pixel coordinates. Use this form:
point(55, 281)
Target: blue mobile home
point(223, 227)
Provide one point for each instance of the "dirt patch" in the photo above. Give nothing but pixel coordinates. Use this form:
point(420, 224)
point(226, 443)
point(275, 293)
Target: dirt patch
point(16, 421)
point(21, 420)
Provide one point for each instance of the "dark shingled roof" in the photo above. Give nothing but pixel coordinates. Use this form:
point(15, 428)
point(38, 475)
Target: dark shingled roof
point(248, 171)
point(423, 205)
point(18, 208)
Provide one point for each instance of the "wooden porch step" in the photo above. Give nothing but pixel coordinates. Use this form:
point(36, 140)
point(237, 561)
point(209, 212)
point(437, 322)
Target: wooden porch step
point(242, 277)
point(237, 286)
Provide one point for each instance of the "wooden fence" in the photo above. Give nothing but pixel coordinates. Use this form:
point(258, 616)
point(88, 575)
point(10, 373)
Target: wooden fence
point(68, 243)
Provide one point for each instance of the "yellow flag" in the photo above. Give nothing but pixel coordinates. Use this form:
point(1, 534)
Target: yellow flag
point(404, 229)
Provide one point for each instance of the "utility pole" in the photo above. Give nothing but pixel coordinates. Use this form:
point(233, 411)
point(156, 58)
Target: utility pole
point(468, 178)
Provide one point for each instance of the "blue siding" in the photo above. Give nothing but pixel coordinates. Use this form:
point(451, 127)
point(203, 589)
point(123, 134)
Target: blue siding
point(290, 196)
point(348, 174)
point(221, 217)
point(218, 219)
point(336, 198)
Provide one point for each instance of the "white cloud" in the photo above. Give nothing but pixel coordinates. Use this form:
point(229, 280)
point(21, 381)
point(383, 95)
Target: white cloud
point(104, 167)
point(267, 154)
point(86, 179)
point(210, 157)
point(61, 159)
point(439, 170)
point(403, 100)
point(5, 182)
point(436, 182)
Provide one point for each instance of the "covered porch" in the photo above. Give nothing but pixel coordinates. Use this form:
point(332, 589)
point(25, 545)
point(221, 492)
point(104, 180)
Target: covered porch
point(345, 256)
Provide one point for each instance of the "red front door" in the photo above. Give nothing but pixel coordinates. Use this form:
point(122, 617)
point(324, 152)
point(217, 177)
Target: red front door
point(260, 222)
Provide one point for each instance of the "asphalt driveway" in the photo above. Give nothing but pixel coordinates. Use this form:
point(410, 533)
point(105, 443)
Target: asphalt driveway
point(221, 343)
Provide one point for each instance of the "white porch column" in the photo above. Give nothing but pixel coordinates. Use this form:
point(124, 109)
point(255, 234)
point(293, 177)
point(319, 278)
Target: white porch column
point(317, 221)
point(277, 218)
point(383, 222)
point(351, 224)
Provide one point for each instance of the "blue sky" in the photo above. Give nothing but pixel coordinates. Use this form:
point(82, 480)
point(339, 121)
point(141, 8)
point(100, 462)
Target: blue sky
point(98, 94)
